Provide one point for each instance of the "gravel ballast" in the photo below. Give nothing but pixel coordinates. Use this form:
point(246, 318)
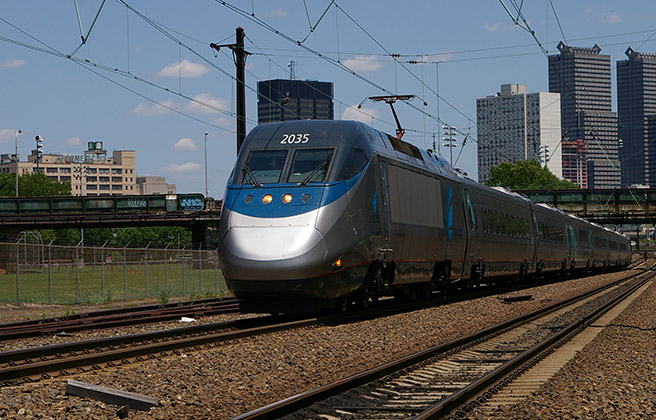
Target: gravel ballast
point(613, 377)
point(246, 374)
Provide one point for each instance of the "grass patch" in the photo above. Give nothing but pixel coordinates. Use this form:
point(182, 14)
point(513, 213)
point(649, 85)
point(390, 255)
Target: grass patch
point(91, 285)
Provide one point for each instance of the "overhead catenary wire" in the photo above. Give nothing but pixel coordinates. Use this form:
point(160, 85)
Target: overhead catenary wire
point(87, 64)
point(331, 60)
point(309, 85)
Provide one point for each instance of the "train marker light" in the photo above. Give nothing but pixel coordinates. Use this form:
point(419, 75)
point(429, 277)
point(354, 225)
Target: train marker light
point(248, 199)
point(337, 265)
point(287, 198)
point(267, 199)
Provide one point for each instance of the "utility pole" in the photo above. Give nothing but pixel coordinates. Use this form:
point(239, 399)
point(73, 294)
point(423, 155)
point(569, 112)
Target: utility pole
point(17, 160)
point(240, 63)
point(449, 139)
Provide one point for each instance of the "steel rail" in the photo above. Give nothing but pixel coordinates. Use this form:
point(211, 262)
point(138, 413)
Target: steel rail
point(305, 399)
point(107, 351)
point(116, 317)
point(460, 397)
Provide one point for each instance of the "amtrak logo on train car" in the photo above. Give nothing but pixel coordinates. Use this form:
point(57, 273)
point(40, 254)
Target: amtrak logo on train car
point(374, 202)
point(449, 216)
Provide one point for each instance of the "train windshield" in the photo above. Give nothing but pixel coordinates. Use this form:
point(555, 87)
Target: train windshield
point(310, 165)
point(303, 152)
point(264, 167)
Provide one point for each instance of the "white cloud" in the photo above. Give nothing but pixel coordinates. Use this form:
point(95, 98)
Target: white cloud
point(223, 121)
point(601, 16)
point(185, 144)
point(441, 57)
point(176, 168)
point(364, 63)
point(7, 135)
point(279, 13)
point(495, 27)
point(155, 109)
point(74, 141)
point(185, 69)
point(206, 98)
point(363, 114)
point(613, 17)
point(11, 64)
point(492, 27)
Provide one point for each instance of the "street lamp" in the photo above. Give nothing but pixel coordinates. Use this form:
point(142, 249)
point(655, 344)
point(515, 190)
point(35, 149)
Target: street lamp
point(206, 190)
point(16, 159)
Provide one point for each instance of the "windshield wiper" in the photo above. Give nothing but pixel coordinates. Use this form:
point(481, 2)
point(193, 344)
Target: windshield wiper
point(246, 170)
point(317, 169)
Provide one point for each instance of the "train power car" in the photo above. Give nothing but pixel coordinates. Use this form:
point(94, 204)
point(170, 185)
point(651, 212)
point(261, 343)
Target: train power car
point(325, 214)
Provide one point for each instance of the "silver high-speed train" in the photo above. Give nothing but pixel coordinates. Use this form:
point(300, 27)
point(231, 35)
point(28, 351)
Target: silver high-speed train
point(323, 214)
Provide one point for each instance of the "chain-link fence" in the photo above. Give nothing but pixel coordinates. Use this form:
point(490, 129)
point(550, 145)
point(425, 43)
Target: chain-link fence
point(41, 273)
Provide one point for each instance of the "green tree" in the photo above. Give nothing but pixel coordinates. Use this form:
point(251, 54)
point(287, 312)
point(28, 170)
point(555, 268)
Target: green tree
point(157, 236)
point(32, 185)
point(526, 175)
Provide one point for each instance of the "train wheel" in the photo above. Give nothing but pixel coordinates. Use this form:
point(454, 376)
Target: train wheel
point(361, 299)
point(442, 282)
point(341, 305)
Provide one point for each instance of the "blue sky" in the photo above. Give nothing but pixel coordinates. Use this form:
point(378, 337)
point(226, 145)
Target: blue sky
point(147, 80)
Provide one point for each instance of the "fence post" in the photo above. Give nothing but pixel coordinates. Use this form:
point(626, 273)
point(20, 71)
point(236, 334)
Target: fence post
point(102, 270)
point(183, 271)
point(77, 272)
point(146, 268)
point(50, 271)
point(166, 272)
point(200, 268)
point(216, 271)
point(125, 273)
point(18, 270)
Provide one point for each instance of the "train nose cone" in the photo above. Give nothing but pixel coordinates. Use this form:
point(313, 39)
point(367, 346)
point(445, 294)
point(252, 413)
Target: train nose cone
point(277, 249)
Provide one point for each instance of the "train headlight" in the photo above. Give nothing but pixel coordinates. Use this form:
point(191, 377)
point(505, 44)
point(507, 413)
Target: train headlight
point(338, 264)
point(267, 199)
point(287, 198)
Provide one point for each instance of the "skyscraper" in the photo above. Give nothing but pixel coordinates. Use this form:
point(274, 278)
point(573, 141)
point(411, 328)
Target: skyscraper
point(636, 108)
point(284, 100)
point(582, 77)
point(513, 125)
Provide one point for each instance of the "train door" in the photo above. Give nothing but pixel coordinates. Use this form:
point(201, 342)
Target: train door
point(383, 209)
point(473, 248)
point(456, 229)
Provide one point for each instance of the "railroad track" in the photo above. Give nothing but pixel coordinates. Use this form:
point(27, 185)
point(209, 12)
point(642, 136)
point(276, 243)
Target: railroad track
point(461, 374)
point(119, 317)
point(48, 362)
